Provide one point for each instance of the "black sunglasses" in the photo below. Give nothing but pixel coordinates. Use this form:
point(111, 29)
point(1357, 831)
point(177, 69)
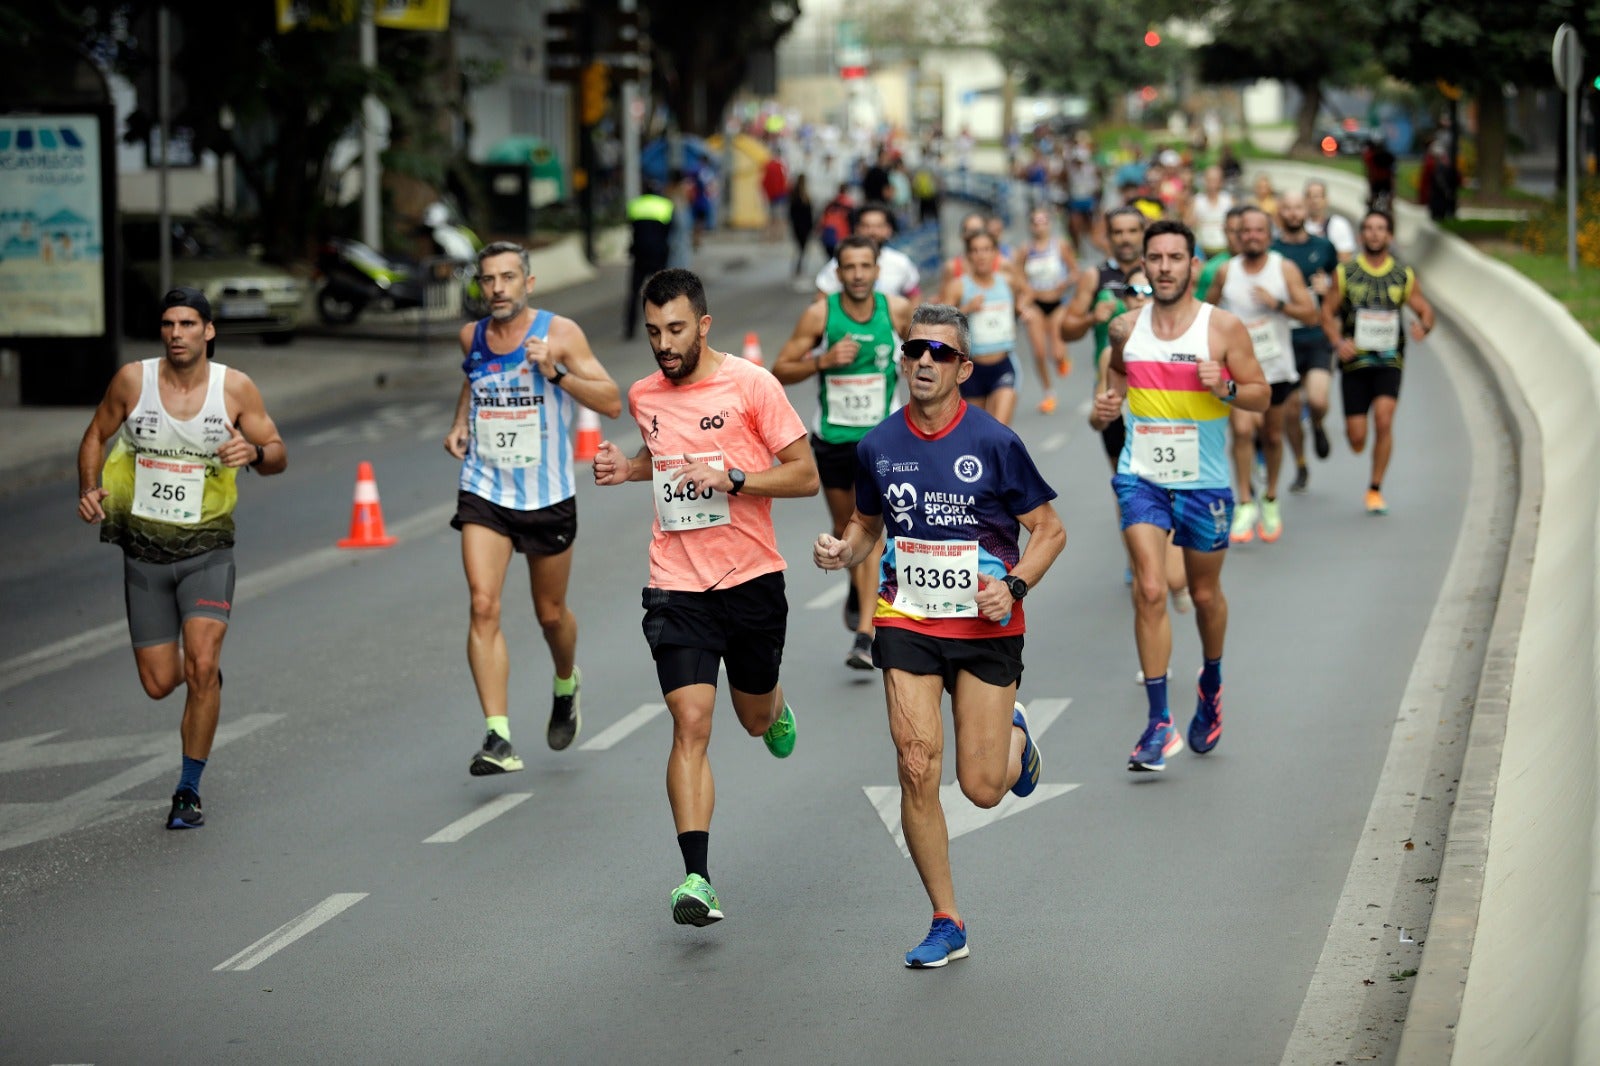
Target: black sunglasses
point(939, 351)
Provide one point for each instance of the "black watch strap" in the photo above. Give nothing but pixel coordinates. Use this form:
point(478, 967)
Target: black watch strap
point(561, 372)
point(1018, 587)
point(736, 476)
point(261, 456)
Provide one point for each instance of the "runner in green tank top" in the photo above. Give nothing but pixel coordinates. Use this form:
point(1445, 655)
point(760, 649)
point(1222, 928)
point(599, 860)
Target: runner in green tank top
point(849, 343)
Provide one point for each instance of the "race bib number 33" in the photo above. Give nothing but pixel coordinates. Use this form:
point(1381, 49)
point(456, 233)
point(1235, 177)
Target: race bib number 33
point(936, 578)
point(168, 490)
point(684, 505)
point(1167, 453)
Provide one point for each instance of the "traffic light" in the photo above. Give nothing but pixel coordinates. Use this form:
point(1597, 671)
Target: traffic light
point(595, 89)
point(1151, 37)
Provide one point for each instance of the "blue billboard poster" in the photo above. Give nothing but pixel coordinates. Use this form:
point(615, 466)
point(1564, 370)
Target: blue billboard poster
point(52, 226)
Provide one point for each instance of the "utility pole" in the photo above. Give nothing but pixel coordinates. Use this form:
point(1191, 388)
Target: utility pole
point(371, 223)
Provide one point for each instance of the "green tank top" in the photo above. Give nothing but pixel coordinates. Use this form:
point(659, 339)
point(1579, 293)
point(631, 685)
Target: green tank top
point(1208, 272)
point(854, 398)
point(1371, 312)
point(1102, 330)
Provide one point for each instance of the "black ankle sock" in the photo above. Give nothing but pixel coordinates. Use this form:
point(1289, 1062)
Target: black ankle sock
point(1375, 487)
point(694, 845)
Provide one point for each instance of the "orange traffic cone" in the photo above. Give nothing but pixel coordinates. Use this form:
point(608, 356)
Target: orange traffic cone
point(588, 443)
point(752, 348)
point(366, 514)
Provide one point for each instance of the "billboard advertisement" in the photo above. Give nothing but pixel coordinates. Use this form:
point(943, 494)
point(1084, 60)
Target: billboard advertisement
point(52, 226)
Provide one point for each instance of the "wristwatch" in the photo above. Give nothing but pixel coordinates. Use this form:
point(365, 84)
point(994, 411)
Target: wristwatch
point(1233, 388)
point(561, 372)
point(737, 477)
point(1018, 587)
point(261, 455)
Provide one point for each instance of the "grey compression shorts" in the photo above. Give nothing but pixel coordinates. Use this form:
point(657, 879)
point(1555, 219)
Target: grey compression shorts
point(163, 596)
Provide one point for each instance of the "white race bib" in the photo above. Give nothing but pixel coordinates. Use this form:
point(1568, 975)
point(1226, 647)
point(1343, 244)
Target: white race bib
point(683, 505)
point(168, 490)
point(1167, 453)
point(994, 328)
point(1377, 331)
point(1276, 363)
point(856, 399)
point(936, 578)
point(510, 437)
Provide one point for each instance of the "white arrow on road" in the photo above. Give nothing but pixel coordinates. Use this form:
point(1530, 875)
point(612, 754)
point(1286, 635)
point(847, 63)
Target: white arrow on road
point(960, 816)
point(28, 823)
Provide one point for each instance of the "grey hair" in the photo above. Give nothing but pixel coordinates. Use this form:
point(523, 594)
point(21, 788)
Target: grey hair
point(502, 248)
point(944, 315)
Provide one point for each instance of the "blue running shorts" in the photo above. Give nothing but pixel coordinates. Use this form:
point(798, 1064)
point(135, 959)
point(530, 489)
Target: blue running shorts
point(1199, 518)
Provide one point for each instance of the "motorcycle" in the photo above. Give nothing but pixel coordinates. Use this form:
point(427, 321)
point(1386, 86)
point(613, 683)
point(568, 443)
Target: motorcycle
point(355, 276)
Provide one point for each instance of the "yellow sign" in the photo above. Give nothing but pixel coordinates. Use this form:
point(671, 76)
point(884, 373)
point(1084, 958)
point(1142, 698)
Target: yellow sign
point(391, 14)
point(1448, 90)
point(412, 14)
point(316, 14)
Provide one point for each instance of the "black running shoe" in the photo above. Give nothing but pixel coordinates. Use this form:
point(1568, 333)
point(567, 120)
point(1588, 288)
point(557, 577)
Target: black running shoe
point(1302, 478)
point(860, 657)
point(185, 813)
point(566, 719)
point(496, 757)
point(1319, 439)
point(852, 608)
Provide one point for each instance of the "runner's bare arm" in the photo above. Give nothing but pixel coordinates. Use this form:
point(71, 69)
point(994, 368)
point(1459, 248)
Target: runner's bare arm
point(1078, 318)
point(794, 362)
point(900, 309)
point(121, 395)
point(795, 474)
point(1046, 539)
point(611, 467)
point(254, 427)
point(1218, 280)
point(861, 533)
point(586, 379)
point(1333, 324)
point(1108, 399)
point(1419, 303)
point(1302, 306)
point(1228, 336)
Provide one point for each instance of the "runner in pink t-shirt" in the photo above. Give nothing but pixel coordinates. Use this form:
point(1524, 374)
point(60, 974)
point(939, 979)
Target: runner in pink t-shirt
point(721, 442)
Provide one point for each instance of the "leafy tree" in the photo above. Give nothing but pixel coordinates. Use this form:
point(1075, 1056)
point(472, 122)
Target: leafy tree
point(1082, 46)
point(701, 51)
point(1306, 43)
point(1482, 45)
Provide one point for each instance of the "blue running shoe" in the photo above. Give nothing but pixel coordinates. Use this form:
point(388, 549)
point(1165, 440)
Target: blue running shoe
point(945, 942)
point(1205, 728)
point(1157, 742)
point(1031, 763)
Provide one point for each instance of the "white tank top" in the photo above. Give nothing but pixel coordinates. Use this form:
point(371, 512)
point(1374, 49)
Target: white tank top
point(1209, 219)
point(1269, 328)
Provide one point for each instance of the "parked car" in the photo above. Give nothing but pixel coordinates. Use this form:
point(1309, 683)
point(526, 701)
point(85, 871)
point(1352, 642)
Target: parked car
point(1349, 137)
point(246, 294)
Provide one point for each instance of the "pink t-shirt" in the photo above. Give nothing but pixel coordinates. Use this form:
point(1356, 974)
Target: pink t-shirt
point(743, 414)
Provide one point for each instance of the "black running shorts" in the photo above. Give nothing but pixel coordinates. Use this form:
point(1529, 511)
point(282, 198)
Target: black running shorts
point(547, 531)
point(993, 660)
point(836, 463)
point(1360, 387)
point(743, 626)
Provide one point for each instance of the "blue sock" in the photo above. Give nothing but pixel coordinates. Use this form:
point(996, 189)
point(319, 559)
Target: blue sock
point(1211, 677)
point(190, 778)
point(1156, 692)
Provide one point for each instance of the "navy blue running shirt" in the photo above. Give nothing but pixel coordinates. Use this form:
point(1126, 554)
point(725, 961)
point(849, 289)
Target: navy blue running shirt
point(949, 504)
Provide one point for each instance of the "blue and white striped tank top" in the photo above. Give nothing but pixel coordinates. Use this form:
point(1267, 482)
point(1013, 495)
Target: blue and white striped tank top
point(519, 451)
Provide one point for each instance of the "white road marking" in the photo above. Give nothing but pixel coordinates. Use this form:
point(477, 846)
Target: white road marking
point(960, 816)
point(29, 823)
point(483, 815)
point(1054, 442)
point(290, 931)
point(619, 731)
point(104, 638)
point(832, 598)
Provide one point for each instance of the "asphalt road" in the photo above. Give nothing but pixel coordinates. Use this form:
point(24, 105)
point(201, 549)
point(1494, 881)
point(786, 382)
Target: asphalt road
point(337, 906)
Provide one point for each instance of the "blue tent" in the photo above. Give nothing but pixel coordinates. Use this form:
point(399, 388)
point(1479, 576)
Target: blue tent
point(653, 162)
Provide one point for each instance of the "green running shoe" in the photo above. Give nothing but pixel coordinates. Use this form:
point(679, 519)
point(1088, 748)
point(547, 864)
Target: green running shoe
point(695, 902)
point(779, 736)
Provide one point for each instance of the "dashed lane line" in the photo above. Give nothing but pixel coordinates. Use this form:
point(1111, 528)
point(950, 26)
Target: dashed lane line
point(290, 931)
point(478, 818)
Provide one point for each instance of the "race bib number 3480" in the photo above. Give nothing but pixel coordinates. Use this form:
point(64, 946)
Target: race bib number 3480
point(682, 505)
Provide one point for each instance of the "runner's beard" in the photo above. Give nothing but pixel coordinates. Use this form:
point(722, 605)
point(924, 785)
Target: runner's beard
point(1182, 289)
point(507, 314)
point(687, 361)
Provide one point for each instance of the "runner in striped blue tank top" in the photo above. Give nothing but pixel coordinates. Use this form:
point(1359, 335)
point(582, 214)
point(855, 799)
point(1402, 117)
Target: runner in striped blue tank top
point(1181, 365)
point(528, 371)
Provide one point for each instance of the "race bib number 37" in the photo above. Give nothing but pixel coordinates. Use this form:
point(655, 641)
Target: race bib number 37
point(509, 438)
point(684, 505)
point(936, 578)
point(1166, 453)
point(168, 490)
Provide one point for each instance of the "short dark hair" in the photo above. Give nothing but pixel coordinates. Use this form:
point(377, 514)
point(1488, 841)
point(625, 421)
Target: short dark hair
point(1248, 208)
point(874, 205)
point(1388, 219)
point(1238, 209)
point(664, 286)
point(494, 248)
point(856, 240)
point(942, 315)
point(1126, 209)
point(983, 233)
point(1165, 226)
